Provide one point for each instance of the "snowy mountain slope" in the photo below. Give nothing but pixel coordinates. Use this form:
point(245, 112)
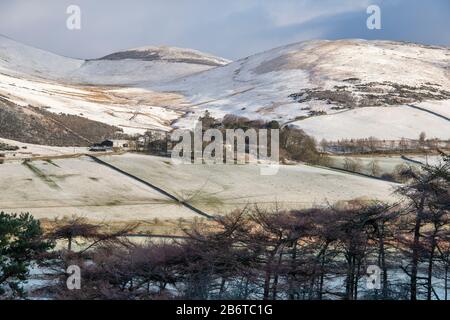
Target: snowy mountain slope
point(30, 76)
point(38, 126)
point(326, 77)
point(132, 72)
point(16, 58)
point(130, 67)
point(131, 109)
point(334, 89)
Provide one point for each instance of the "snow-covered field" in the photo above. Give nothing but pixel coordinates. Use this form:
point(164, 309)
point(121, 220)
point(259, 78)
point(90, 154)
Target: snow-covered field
point(27, 150)
point(222, 188)
point(440, 107)
point(66, 187)
point(80, 187)
point(390, 123)
point(384, 164)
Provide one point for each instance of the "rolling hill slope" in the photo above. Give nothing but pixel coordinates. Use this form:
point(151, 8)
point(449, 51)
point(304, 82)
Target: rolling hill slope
point(100, 90)
point(331, 89)
point(147, 64)
point(320, 80)
point(121, 68)
point(19, 59)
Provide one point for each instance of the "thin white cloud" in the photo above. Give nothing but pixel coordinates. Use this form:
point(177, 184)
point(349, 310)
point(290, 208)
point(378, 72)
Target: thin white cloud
point(291, 12)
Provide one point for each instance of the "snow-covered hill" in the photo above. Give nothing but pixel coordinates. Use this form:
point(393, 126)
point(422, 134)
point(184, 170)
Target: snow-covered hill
point(152, 65)
point(305, 83)
point(125, 68)
point(19, 59)
point(168, 54)
point(104, 89)
point(331, 89)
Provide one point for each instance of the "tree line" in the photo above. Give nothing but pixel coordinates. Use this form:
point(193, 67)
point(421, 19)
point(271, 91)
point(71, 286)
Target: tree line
point(373, 145)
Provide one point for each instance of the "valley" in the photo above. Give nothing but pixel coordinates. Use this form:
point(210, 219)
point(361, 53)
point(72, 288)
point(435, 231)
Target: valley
point(185, 153)
point(53, 108)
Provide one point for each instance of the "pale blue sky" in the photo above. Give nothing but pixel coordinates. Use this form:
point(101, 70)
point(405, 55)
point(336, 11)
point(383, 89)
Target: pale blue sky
point(232, 28)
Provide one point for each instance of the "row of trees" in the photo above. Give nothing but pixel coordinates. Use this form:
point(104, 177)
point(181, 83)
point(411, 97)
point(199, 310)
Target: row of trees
point(375, 145)
point(372, 168)
point(321, 253)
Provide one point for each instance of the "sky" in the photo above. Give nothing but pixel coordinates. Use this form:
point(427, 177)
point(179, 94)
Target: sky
point(231, 29)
